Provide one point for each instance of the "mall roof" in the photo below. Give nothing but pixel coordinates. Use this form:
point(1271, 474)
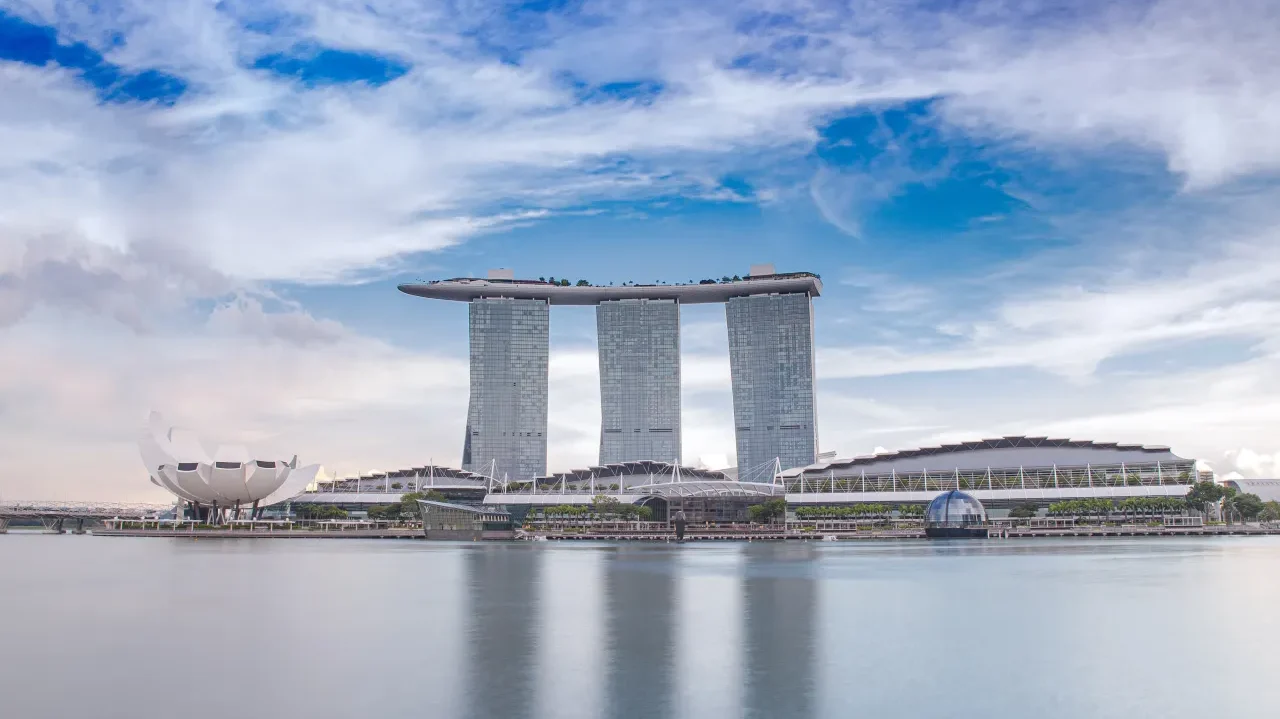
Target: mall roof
point(627, 469)
point(465, 289)
point(1012, 451)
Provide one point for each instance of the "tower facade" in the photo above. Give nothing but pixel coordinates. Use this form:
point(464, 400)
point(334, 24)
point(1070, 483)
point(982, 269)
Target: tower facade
point(639, 350)
point(772, 372)
point(507, 413)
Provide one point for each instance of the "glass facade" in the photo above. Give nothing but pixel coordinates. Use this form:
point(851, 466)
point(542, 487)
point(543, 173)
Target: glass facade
point(507, 413)
point(639, 343)
point(771, 366)
point(954, 509)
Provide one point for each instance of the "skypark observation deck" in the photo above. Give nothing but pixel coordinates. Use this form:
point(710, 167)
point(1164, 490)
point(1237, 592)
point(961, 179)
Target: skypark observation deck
point(466, 289)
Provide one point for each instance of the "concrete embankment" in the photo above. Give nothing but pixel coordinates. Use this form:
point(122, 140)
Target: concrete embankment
point(740, 536)
point(263, 534)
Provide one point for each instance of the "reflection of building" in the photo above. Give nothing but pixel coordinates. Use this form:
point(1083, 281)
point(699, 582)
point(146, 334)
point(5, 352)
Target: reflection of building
point(998, 472)
point(778, 626)
point(770, 323)
point(502, 584)
point(506, 431)
point(639, 341)
point(640, 592)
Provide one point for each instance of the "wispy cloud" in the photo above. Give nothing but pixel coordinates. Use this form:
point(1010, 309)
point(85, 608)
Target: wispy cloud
point(278, 179)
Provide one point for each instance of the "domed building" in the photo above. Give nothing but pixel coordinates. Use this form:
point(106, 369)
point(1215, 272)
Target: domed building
point(954, 514)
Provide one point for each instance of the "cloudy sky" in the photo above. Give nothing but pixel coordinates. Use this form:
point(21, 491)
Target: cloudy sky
point(1030, 217)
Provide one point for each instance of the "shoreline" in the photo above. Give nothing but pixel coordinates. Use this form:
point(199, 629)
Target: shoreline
point(623, 536)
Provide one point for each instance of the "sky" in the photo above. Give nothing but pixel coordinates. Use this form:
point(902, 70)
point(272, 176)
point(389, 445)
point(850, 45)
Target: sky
point(1039, 218)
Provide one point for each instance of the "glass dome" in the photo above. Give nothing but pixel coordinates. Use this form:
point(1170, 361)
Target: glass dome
point(955, 509)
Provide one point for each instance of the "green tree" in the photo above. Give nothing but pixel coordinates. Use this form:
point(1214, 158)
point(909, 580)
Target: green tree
point(1203, 493)
point(1023, 511)
point(583, 283)
point(1248, 505)
point(1270, 512)
point(767, 511)
point(409, 502)
point(319, 511)
point(396, 485)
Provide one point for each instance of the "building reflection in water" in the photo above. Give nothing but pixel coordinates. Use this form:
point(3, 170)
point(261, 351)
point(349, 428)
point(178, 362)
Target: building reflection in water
point(640, 592)
point(503, 589)
point(571, 655)
point(640, 631)
point(781, 606)
point(709, 657)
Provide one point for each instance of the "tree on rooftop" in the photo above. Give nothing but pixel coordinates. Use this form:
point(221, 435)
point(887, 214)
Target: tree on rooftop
point(583, 283)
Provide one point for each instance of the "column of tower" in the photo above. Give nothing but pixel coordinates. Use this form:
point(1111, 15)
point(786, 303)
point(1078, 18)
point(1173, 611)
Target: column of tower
point(639, 351)
point(772, 373)
point(506, 431)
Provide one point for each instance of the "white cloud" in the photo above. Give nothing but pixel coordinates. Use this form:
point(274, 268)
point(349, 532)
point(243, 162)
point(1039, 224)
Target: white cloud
point(1070, 328)
point(272, 181)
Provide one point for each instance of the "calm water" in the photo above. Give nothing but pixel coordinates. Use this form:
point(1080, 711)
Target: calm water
point(110, 627)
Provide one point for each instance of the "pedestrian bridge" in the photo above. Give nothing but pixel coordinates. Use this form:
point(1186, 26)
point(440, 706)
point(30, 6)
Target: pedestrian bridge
point(56, 515)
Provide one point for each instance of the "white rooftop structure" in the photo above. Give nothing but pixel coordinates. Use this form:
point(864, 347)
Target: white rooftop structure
point(178, 462)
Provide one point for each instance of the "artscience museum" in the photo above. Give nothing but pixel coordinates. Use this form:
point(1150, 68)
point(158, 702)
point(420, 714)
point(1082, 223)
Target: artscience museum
point(221, 484)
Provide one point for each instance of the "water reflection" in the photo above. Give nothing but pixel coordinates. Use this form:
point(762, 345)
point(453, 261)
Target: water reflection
point(638, 631)
point(118, 628)
point(778, 623)
point(502, 596)
point(640, 593)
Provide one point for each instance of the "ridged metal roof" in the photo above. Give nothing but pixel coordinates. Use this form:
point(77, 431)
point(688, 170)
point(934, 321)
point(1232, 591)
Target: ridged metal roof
point(1010, 442)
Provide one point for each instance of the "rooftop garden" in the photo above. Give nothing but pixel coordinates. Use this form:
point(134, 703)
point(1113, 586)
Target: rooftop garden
point(564, 282)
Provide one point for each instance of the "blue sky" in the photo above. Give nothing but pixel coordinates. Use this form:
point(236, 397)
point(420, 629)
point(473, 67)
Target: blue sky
point(1027, 219)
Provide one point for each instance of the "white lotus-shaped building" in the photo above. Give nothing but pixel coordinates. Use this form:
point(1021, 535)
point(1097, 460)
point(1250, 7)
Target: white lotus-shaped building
point(177, 461)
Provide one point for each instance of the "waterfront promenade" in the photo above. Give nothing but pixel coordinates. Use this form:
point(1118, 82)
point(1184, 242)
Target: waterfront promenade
point(700, 534)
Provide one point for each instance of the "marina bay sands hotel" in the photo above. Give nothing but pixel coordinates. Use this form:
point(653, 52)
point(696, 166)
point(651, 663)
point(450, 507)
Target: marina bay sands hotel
point(770, 321)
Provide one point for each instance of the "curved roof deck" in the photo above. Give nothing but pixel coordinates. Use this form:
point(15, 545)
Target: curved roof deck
point(465, 289)
point(1013, 451)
